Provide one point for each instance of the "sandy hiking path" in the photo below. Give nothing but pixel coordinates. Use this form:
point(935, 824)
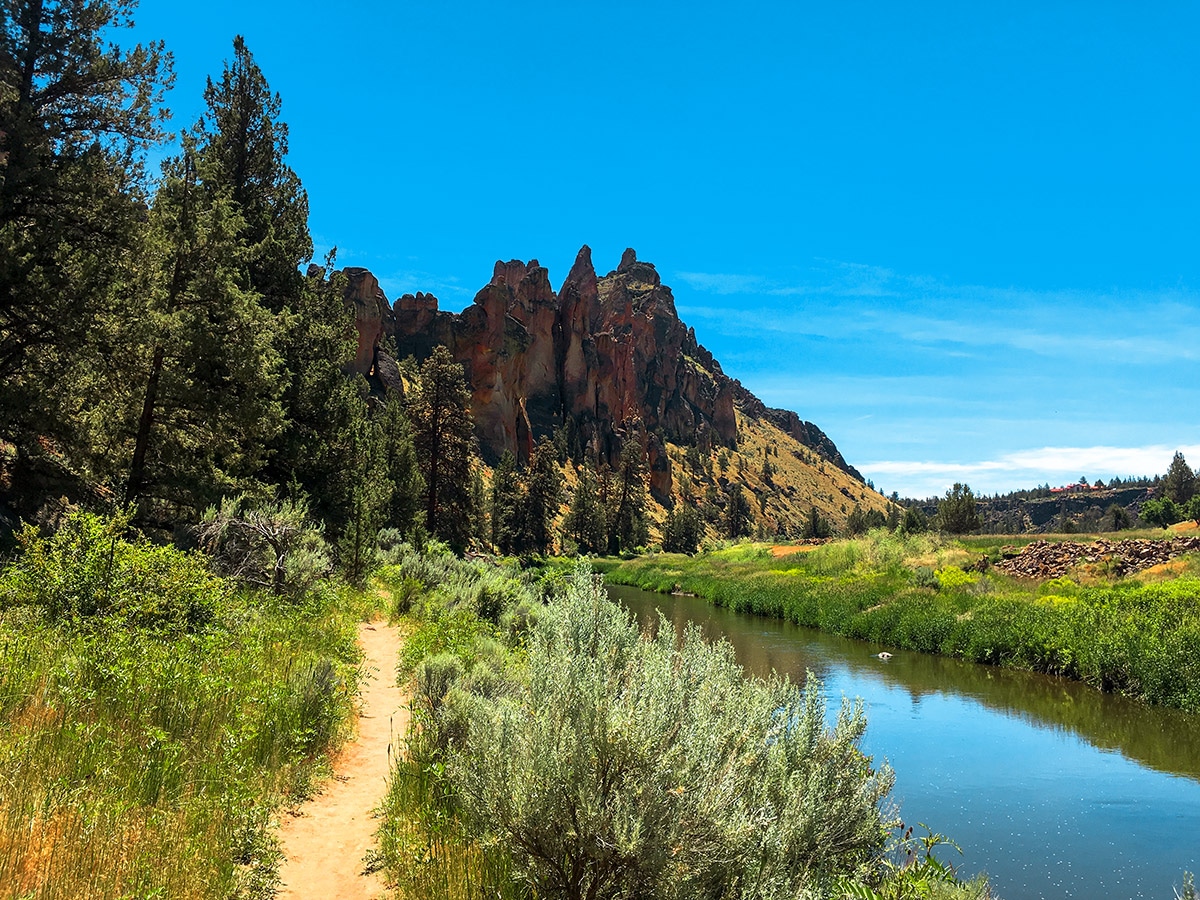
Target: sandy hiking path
point(325, 844)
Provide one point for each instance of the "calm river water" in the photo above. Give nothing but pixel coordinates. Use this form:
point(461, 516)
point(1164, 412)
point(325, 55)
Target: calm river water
point(1053, 789)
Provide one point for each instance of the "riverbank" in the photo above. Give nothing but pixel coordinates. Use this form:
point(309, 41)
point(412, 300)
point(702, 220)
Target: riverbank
point(555, 746)
point(1132, 635)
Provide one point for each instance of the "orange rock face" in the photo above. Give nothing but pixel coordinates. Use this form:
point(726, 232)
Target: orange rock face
point(606, 357)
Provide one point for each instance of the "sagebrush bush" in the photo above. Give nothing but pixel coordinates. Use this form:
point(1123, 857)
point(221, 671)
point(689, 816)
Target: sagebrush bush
point(630, 764)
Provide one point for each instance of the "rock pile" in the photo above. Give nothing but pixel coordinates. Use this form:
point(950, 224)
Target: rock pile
point(1045, 559)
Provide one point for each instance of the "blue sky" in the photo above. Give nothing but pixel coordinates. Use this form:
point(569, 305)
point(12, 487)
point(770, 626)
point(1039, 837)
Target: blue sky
point(961, 238)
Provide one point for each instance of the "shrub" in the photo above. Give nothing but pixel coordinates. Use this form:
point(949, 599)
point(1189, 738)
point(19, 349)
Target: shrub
point(89, 571)
point(274, 546)
point(635, 766)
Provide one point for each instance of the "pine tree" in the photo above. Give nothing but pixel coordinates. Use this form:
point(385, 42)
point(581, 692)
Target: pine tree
point(75, 114)
point(956, 512)
point(586, 523)
point(209, 393)
point(816, 525)
point(682, 529)
point(543, 494)
point(506, 502)
point(245, 144)
point(737, 512)
point(443, 437)
point(320, 402)
point(367, 498)
point(403, 473)
point(627, 519)
point(1179, 484)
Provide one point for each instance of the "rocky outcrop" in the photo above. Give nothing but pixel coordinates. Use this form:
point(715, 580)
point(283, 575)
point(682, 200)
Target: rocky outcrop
point(371, 314)
point(1045, 559)
point(606, 357)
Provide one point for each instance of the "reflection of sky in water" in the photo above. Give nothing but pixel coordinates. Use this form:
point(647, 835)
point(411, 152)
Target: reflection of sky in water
point(1042, 810)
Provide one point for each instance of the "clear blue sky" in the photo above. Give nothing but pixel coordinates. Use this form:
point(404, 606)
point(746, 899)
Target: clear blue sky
point(964, 239)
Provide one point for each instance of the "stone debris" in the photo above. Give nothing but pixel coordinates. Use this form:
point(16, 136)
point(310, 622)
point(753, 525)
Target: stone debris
point(1047, 559)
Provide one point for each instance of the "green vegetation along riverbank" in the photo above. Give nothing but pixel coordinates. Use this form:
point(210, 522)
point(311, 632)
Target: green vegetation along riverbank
point(556, 751)
point(154, 717)
point(1135, 635)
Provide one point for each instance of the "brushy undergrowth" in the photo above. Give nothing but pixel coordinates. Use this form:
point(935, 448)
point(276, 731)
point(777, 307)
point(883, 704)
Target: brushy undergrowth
point(1130, 636)
point(153, 718)
point(558, 752)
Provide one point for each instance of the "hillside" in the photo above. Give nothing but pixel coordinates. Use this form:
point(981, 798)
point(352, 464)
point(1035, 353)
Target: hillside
point(602, 361)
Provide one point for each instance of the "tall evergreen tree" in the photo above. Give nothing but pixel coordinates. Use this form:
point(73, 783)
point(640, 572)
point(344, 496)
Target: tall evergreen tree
point(246, 143)
point(956, 511)
point(737, 512)
point(209, 396)
point(506, 503)
point(682, 529)
point(586, 522)
point(443, 436)
point(1179, 484)
point(627, 519)
point(543, 494)
point(368, 497)
point(75, 113)
point(401, 466)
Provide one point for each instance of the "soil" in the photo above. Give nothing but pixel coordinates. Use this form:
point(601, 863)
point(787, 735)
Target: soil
point(326, 843)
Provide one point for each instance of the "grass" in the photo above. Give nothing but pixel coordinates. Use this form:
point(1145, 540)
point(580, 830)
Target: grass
point(141, 756)
point(470, 629)
point(1136, 636)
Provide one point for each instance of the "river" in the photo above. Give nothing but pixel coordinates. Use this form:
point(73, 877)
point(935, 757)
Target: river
point(1052, 788)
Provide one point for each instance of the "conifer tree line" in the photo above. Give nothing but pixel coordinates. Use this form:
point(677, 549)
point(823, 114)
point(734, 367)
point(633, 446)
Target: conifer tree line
point(158, 340)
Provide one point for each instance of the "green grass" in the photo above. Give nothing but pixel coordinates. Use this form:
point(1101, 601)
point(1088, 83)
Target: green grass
point(143, 755)
point(1131, 636)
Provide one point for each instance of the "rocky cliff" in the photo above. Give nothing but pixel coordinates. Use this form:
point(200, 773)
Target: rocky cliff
point(606, 357)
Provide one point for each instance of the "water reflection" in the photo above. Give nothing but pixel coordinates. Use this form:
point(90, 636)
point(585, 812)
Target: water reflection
point(1055, 789)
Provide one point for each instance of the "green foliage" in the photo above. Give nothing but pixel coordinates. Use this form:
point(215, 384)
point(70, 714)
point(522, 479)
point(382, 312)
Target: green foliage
point(244, 145)
point(737, 512)
point(956, 511)
point(144, 754)
point(637, 764)
point(1162, 512)
point(506, 504)
point(543, 494)
point(911, 592)
point(274, 546)
point(1117, 518)
point(627, 506)
point(207, 404)
point(444, 440)
point(915, 521)
point(1179, 484)
point(682, 529)
point(586, 523)
point(76, 111)
point(816, 525)
point(90, 572)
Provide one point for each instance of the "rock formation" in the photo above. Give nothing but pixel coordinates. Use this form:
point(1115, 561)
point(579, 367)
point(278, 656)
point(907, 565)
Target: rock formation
point(606, 357)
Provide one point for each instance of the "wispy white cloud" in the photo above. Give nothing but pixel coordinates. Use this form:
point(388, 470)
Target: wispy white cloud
point(1124, 326)
point(718, 283)
point(1023, 468)
point(397, 283)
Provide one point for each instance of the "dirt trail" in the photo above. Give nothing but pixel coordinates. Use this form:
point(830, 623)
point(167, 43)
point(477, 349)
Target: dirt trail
point(324, 846)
